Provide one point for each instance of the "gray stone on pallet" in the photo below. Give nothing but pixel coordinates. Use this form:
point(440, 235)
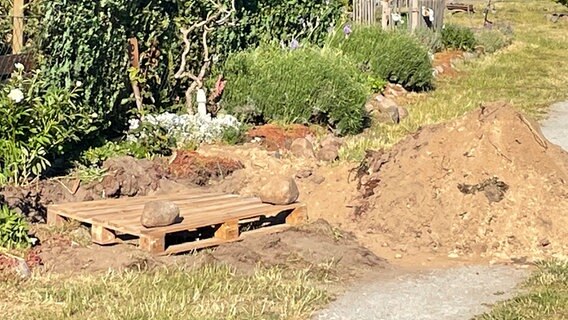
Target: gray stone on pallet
point(280, 191)
point(159, 214)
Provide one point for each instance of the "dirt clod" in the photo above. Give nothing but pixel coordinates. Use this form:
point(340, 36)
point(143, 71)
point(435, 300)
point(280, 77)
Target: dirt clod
point(201, 169)
point(278, 138)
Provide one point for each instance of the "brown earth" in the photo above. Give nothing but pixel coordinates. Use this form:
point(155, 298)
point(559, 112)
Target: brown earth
point(317, 245)
point(124, 177)
point(200, 169)
point(485, 186)
point(275, 137)
point(443, 61)
point(488, 184)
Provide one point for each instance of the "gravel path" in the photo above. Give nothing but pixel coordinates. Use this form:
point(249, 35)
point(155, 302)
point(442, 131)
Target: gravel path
point(555, 128)
point(458, 293)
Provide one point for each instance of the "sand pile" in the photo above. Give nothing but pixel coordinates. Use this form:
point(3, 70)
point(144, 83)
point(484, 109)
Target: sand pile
point(486, 184)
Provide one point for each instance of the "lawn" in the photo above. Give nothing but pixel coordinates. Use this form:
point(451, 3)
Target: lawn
point(531, 74)
point(545, 298)
point(207, 292)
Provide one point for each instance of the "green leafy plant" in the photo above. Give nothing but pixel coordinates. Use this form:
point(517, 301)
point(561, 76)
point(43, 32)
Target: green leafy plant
point(39, 122)
point(296, 86)
point(234, 135)
point(13, 229)
point(394, 56)
point(376, 85)
point(458, 37)
point(563, 2)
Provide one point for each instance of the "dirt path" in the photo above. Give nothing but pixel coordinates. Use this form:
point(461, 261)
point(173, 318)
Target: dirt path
point(451, 294)
point(555, 127)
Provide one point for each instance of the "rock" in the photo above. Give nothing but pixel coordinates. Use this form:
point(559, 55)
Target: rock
point(398, 256)
point(453, 255)
point(318, 179)
point(402, 113)
point(280, 191)
point(159, 214)
point(302, 148)
point(328, 154)
point(331, 141)
point(383, 109)
point(303, 174)
point(111, 186)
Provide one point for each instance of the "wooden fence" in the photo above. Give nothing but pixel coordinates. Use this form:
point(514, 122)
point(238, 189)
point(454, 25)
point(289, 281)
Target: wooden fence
point(18, 26)
point(400, 13)
point(12, 52)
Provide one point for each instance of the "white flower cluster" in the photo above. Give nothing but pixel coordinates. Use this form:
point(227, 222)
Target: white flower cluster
point(187, 128)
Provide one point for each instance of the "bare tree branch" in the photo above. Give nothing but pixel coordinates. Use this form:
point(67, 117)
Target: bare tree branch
point(197, 80)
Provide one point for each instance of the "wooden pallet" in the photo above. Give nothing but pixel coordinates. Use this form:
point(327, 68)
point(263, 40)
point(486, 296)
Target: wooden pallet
point(208, 219)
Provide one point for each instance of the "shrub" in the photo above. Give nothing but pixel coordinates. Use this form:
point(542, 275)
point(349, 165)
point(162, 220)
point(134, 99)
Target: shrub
point(458, 37)
point(492, 40)
point(296, 86)
point(394, 56)
point(39, 120)
point(13, 230)
point(430, 39)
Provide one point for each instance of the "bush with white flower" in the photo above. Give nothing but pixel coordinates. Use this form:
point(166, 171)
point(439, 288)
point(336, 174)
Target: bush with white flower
point(180, 131)
point(39, 122)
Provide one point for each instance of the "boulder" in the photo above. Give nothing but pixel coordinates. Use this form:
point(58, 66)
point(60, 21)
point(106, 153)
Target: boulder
point(280, 191)
point(383, 109)
point(329, 154)
point(302, 148)
point(159, 214)
point(331, 141)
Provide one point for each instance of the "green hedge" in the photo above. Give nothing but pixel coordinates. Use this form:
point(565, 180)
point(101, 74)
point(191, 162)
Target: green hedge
point(297, 86)
point(87, 41)
point(395, 56)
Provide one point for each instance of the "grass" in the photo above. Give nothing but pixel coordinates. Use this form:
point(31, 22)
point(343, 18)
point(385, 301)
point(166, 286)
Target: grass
point(207, 292)
point(530, 74)
point(546, 296)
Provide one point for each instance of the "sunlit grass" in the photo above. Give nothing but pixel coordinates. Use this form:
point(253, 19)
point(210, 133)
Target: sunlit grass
point(209, 292)
point(546, 297)
point(531, 74)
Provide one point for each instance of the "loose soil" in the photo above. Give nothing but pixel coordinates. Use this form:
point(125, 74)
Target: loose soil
point(199, 169)
point(275, 137)
point(488, 184)
point(444, 62)
point(124, 177)
point(318, 245)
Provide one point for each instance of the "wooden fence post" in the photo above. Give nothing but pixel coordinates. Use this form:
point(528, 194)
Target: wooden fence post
point(414, 14)
point(18, 26)
point(385, 16)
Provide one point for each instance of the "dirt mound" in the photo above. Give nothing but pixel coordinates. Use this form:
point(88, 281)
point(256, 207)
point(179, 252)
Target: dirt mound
point(317, 245)
point(125, 177)
point(486, 184)
point(200, 169)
